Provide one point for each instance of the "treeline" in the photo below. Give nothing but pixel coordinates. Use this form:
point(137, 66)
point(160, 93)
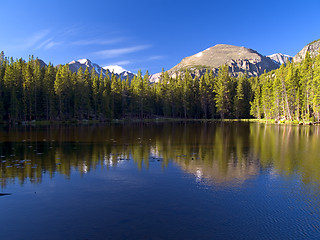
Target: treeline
point(290, 93)
point(31, 92)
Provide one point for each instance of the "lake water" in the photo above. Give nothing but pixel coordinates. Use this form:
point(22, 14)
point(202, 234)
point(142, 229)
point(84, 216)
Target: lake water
point(160, 181)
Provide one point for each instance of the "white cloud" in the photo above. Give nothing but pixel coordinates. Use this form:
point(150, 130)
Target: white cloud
point(124, 62)
point(43, 44)
point(52, 44)
point(119, 63)
point(96, 42)
point(38, 40)
point(30, 42)
point(155, 57)
point(47, 44)
point(111, 53)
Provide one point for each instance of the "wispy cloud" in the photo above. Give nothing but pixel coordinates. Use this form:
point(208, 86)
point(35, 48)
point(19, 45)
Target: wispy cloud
point(52, 44)
point(121, 63)
point(96, 42)
point(31, 41)
point(70, 31)
point(157, 57)
point(111, 53)
point(43, 44)
point(47, 44)
point(36, 41)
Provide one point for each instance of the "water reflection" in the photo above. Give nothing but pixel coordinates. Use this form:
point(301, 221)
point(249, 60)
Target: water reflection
point(219, 152)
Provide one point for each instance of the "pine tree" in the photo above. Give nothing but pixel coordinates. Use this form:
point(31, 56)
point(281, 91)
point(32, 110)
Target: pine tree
point(306, 86)
point(222, 91)
point(267, 97)
point(316, 88)
point(11, 100)
point(37, 82)
point(291, 83)
point(28, 90)
point(187, 93)
point(277, 109)
point(48, 85)
point(86, 92)
point(256, 101)
point(61, 87)
point(239, 106)
point(106, 96)
point(203, 91)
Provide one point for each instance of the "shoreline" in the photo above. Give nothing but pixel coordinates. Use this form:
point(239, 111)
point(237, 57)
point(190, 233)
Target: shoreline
point(152, 120)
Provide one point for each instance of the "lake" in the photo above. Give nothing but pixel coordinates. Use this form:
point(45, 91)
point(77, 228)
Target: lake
point(214, 180)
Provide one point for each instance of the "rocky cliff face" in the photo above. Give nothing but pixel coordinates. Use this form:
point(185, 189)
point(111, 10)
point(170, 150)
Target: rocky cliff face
point(85, 63)
point(312, 48)
point(239, 60)
point(280, 58)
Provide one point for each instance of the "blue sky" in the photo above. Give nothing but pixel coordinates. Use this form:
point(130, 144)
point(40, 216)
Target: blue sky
point(151, 35)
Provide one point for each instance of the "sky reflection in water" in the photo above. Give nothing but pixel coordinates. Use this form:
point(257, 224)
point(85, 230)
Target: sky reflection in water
point(160, 181)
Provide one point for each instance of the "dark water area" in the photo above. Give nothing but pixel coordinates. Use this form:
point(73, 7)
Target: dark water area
point(160, 181)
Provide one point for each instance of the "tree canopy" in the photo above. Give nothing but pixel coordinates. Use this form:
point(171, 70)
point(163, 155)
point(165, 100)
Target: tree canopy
point(31, 92)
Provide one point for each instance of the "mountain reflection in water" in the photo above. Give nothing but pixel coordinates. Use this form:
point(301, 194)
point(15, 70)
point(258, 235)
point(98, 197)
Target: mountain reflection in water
point(220, 152)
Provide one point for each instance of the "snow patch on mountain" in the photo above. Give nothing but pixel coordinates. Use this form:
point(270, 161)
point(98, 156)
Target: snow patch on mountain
point(116, 69)
point(280, 58)
point(108, 70)
point(84, 61)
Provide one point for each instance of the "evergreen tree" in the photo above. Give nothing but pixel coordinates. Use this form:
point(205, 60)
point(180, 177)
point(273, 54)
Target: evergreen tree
point(48, 85)
point(306, 87)
point(62, 87)
point(316, 89)
point(222, 91)
point(256, 101)
point(11, 101)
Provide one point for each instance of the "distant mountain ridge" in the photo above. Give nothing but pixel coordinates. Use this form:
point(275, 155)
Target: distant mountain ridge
point(107, 70)
point(239, 59)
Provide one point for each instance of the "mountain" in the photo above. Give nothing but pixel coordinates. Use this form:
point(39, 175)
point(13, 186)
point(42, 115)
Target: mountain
point(115, 69)
point(312, 48)
point(84, 63)
point(42, 63)
point(120, 71)
point(280, 58)
point(239, 60)
point(154, 78)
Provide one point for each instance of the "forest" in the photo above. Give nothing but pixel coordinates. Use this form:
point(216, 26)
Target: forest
point(30, 92)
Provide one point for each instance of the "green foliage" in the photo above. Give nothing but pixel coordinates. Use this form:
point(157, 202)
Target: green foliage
point(290, 93)
point(29, 92)
point(314, 41)
point(222, 89)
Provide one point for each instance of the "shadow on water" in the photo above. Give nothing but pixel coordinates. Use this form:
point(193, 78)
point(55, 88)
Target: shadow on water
point(219, 152)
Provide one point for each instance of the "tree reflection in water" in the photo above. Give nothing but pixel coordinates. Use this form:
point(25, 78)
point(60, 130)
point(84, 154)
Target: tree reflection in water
point(219, 152)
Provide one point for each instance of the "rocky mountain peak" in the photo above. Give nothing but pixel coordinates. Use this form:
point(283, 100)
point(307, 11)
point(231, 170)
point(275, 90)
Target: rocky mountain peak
point(312, 48)
point(280, 58)
point(239, 60)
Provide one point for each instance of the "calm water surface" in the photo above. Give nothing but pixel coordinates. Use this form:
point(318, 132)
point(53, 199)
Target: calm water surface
point(160, 181)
